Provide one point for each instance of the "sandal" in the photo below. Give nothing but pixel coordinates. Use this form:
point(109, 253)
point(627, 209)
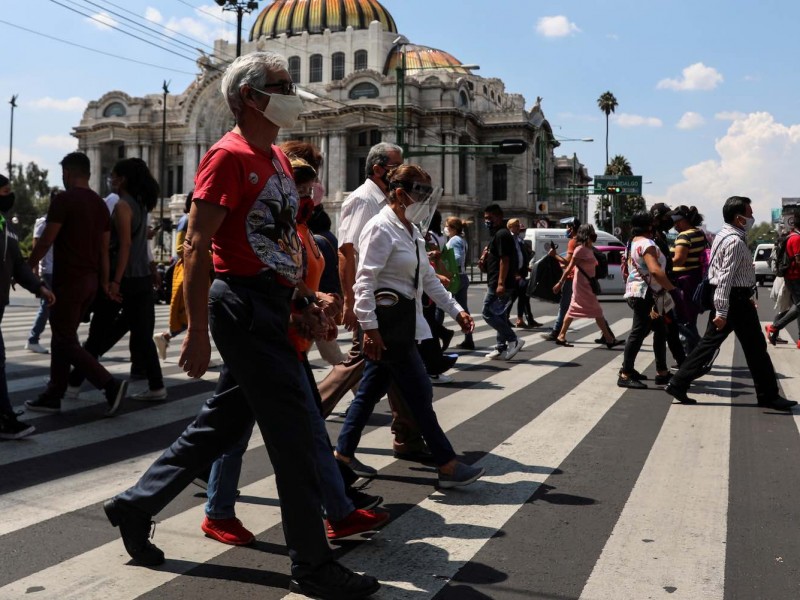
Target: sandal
point(564, 343)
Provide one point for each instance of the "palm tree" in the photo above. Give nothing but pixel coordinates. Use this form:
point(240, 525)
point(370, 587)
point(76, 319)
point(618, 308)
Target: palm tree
point(607, 103)
point(619, 165)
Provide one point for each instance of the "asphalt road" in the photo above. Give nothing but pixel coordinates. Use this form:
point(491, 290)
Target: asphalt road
point(591, 491)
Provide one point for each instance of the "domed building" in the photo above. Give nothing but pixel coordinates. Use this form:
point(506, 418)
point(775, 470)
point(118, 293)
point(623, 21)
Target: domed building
point(362, 82)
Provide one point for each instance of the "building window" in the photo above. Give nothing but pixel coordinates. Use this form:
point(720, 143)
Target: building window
point(499, 182)
point(363, 90)
point(337, 66)
point(180, 180)
point(360, 60)
point(315, 68)
point(462, 170)
point(121, 151)
point(294, 68)
point(115, 109)
point(463, 100)
point(170, 179)
point(374, 137)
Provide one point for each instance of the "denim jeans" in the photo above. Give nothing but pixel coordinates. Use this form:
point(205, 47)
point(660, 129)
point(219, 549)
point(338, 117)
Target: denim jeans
point(498, 322)
point(224, 477)
point(408, 372)
point(249, 321)
point(563, 305)
point(43, 315)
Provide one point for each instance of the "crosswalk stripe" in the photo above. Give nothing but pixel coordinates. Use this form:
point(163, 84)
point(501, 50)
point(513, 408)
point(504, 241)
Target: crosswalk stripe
point(663, 541)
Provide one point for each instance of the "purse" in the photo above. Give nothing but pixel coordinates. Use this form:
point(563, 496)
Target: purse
point(593, 282)
point(703, 296)
point(397, 317)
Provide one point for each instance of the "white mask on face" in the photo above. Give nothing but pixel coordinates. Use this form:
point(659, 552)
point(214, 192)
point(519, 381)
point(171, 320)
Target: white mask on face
point(417, 212)
point(282, 110)
point(748, 223)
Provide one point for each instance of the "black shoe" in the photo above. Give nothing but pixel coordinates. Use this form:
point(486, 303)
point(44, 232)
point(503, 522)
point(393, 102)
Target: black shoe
point(466, 345)
point(630, 382)
point(663, 379)
point(420, 456)
point(613, 343)
point(44, 404)
point(134, 527)
point(600, 340)
point(778, 404)
point(361, 500)
point(333, 581)
point(115, 392)
point(534, 323)
point(675, 367)
point(636, 376)
point(12, 428)
point(550, 337)
point(447, 337)
point(679, 395)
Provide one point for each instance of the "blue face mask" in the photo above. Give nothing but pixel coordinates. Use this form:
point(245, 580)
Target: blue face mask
point(488, 224)
point(567, 233)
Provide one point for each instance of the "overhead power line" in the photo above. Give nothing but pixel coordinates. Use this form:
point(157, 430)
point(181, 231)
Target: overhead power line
point(202, 10)
point(117, 56)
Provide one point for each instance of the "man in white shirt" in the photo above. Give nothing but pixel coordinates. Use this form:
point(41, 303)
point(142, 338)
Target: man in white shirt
point(360, 206)
point(46, 273)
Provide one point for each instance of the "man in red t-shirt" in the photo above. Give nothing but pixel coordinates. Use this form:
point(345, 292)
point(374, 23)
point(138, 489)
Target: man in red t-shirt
point(792, 281)
point(78, 227)
point(244, 210)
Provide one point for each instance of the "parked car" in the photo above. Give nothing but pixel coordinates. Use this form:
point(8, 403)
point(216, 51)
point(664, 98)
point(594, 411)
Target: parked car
point(762, 261)
point(614, 284)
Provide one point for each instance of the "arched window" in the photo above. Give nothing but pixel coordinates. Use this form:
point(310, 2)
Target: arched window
point(360, 60)
point(294, 68)
point(315, 68)
point(463, 100)
point(115, 109)
point(337, 66)
point(363, 90)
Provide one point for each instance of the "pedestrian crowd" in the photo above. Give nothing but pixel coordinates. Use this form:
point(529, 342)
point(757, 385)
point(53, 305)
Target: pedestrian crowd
point(260, 272)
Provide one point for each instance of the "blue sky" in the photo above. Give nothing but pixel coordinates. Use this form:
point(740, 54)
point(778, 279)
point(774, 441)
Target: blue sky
point(707, 102)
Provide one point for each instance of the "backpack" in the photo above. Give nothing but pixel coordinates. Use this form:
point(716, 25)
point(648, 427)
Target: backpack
point(781, 262)
point(601, 270)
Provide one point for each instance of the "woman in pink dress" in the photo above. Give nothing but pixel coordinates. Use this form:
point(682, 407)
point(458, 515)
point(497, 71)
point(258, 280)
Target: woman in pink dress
point(584, 303)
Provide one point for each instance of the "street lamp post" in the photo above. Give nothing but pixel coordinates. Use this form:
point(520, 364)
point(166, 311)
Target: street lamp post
point(163, 164)
point(13, 103)
point(240, 7)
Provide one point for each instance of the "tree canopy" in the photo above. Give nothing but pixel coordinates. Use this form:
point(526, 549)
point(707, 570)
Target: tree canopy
point(32, 192)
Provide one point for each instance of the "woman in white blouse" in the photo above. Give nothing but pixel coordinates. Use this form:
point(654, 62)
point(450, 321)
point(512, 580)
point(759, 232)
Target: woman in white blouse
point(392, 255)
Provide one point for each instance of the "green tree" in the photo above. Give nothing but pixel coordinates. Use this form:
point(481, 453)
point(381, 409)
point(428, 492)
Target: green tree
point(32, 193)
point(608, 104)
point(763, 233)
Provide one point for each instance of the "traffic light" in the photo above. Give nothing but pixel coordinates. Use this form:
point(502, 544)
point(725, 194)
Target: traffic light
point(613, 189)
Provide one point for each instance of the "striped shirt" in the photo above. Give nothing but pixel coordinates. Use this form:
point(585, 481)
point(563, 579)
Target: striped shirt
point(731, 267)
point(695, 241)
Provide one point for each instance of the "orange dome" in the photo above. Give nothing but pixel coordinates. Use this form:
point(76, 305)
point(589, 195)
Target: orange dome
point(293, 17)
point(421, 58)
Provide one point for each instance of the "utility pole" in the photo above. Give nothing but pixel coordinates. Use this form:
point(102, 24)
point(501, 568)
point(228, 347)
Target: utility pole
point(240, 7)
point(13, 103)
point(163, 164)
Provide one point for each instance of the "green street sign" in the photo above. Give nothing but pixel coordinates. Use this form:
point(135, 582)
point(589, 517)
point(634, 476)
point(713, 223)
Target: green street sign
point(631, 185)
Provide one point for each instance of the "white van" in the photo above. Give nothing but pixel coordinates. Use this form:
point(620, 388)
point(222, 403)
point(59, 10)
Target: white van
point(540, 240)
point(762, 261)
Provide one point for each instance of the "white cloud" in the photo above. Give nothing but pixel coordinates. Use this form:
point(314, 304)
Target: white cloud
point(58, 142)
point(68, 104)
point(206, 26)
point(628, 120)
point(757, 158)
point(691, 120)
point(695, 77)
point(729, 115)
point(152, 14)
point(102, 20)
point(613, 36)
point(558, 26)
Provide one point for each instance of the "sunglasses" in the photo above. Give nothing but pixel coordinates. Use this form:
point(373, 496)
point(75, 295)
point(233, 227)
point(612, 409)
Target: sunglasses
point(287, 88)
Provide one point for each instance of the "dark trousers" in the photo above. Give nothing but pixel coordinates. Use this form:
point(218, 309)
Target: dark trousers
point(249, 324)
point(346, 375)
point(790, 315)
point(73, 300)
point(743, 321)
point(112, 320)
point(5, 401)
point(642, 326)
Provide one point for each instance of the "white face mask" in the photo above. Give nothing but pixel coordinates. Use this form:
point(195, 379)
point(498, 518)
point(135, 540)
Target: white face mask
point(748, 223)
point(282, 109)
point(417, 212)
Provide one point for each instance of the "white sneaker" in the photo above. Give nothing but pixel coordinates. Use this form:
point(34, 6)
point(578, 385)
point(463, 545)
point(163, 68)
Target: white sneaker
point(441, 378)
point(162, 343)
point(495, 353)
point(36, 347)
point(152, 395)
point(73, 392)
point(513, 348)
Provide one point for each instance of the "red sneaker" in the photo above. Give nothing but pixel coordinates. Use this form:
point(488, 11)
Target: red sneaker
point(772, 334)
point(357, 521)
point(227, 531)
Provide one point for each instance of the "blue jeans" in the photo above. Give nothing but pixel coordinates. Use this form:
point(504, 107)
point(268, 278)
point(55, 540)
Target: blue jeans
point(249, 321)
point(44, 313)
point(499, 322)
point(224, 477)
point(563, 305)
point(408, 373)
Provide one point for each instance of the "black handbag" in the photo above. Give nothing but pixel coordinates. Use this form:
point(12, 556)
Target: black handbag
point(397, 317)
point(593, 282)
point(703, 296)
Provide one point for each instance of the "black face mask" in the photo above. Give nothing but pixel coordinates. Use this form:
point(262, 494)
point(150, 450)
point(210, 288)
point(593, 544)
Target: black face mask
point(6, 202)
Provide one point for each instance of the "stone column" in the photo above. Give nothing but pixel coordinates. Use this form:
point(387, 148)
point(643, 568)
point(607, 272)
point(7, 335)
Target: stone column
point(93, 152)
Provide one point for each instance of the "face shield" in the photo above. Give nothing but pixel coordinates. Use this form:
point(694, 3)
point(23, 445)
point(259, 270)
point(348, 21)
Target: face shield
point(430, 203)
